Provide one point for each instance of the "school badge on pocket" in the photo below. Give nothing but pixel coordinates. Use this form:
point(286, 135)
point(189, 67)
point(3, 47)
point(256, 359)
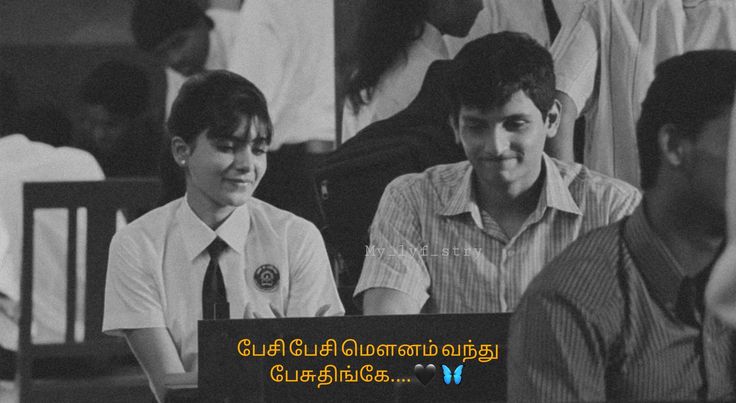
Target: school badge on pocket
point(267, 277)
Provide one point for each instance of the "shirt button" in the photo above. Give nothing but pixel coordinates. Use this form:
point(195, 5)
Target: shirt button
point(510, 253)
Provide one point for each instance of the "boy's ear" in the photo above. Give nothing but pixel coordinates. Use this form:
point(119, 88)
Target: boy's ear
point(452, 119)
point(673, 146)
point(180, 150)
point(553, 119)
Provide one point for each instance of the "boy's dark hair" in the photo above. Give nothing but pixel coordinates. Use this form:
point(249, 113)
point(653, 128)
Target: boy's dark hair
point(490, 69)
point(153, 21)
point(687, 91)
point(217, 101)
point(122, 88)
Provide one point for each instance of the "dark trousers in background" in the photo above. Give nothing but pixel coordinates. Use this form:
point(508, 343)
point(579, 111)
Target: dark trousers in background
point(288, 183)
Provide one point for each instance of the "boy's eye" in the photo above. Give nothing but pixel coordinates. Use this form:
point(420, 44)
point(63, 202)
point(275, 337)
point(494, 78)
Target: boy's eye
point(515, 125)
point(474, 126)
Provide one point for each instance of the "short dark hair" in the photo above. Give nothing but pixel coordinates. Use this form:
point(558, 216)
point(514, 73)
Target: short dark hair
point(687, 91)
point(153, 21)
point(122, 88)
point(490, 69)
point(217, 101)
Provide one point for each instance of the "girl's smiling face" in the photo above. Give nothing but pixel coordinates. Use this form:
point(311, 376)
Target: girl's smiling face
point(223, 172)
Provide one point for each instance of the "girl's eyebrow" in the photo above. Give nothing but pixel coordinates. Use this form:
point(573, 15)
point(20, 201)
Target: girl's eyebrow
point(240, 140)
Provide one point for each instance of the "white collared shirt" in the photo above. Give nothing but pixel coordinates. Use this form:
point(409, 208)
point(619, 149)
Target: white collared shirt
point(519, 16)
point(22, 160)
point(287, 49)
point(157, 266)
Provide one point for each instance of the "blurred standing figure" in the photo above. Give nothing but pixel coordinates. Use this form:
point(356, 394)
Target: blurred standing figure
point(115, 123)
point(397, 41)
point(540, 19)
point(605, 61)
point(286, 48)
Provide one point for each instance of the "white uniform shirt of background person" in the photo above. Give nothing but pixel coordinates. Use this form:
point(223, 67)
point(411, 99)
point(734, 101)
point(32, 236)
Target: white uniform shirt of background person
point(275, 261)
point(287, 49)
point(516, 15)
point(398, 85)
point(22, 160)
point(222, 37)
point(605, 62)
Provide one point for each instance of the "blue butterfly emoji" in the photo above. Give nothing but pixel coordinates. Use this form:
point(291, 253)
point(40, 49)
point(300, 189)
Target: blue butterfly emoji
point(449, 376)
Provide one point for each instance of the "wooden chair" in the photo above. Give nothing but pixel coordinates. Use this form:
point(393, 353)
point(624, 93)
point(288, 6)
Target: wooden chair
point(102, 200)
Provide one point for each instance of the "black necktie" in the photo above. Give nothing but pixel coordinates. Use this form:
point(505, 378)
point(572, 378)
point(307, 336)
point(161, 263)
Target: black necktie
point(214, 295)
point(553, 20)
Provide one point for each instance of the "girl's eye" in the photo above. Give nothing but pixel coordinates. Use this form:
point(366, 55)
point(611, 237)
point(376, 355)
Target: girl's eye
point(224, 145)
point(259, 146)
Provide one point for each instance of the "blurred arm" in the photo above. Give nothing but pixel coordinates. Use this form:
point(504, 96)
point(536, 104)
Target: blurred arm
point(157, 355)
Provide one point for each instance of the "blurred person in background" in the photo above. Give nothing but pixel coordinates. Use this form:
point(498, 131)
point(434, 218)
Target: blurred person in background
point(396, 43)
point(115, 123)
point(23, 160)
point(185, 38)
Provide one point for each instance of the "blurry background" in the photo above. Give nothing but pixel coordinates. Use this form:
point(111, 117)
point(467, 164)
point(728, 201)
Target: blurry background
point(49, 46)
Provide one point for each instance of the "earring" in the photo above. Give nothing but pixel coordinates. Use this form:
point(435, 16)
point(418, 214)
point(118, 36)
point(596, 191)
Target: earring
point(183, 163)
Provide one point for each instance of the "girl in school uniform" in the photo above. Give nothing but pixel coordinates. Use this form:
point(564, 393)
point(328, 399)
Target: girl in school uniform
point(217, 252)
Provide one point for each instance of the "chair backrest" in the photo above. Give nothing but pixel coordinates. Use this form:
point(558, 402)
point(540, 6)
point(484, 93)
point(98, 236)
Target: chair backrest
point(102, 201)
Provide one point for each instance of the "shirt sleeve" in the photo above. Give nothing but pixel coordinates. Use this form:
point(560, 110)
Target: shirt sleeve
point(555, 352)
point(312, 288)
point(575, 52)
point(395, 231)
point(132, 298)
point(624, 206)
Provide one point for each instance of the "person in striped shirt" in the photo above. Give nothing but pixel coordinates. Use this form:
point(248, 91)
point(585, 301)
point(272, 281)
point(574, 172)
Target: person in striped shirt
point(620, 314)
point(470, 236)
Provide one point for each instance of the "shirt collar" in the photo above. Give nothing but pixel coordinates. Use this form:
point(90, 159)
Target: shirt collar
point(661, 271)
point(14, 139)
point(462, 198)
point(197, 235)
point(432, 39)
point(555, 194)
